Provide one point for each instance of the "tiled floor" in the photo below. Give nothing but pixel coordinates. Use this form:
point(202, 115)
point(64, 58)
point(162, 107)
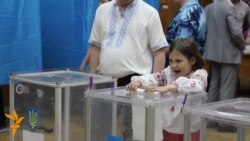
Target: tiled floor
point(212, 135)
point(4, 136)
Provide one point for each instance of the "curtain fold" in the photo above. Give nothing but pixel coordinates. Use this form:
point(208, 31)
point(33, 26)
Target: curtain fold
point(20, 37)
point(66, 27)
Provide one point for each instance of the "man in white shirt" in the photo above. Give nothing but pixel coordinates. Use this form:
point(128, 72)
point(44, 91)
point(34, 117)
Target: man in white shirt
point(127, 39)
point(243, 17)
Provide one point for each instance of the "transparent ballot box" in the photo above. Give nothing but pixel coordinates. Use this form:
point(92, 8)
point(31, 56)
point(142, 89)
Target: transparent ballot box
point(227, 120)
point(116, 114)
point(52, 104)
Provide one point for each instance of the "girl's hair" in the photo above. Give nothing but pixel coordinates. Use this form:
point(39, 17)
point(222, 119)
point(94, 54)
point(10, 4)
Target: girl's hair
point(188, 48)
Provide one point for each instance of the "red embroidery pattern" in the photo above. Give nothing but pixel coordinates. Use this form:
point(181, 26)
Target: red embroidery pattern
point(160, 77)
point(193, 84)
point(201, 78)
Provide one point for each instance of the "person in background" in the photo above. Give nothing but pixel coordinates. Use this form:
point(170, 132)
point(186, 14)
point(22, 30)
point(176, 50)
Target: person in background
point(189, 22)
point(243, 16)
point(223, 49)
point(2, 117)
point(185, 74)
point(127, 39)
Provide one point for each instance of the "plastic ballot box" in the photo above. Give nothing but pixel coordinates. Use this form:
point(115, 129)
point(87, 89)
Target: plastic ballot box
point(223, 120)
point(116, 106)
point(49, 106)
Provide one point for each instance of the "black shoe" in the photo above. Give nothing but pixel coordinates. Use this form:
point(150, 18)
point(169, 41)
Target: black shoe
point(230, 129)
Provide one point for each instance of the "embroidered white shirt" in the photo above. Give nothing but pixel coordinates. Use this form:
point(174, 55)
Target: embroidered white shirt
point(127, 38)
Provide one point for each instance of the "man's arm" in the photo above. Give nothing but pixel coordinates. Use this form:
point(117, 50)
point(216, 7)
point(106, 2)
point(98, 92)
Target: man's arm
point(94, 56)
point(85, 61)
point(248, 26)
point(159, 59)
point(235, 28)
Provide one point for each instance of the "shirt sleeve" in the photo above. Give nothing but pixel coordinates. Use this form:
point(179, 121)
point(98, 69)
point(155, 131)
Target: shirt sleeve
point(154, 79)
point(196, 83)
point(95, 36)
point(248, 24)
point(235, 28)
point(186, 28)
point(156, 35)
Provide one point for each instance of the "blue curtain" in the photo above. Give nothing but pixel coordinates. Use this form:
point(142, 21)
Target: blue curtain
point(154, 3)
point(66, 27)
point(48, 33)
point(20, 37)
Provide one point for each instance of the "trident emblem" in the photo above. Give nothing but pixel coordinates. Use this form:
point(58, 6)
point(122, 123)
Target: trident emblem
point(33, 119)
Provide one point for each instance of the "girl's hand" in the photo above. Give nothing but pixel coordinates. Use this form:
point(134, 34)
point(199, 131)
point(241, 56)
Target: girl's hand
point(132, 86)
point(163, 89)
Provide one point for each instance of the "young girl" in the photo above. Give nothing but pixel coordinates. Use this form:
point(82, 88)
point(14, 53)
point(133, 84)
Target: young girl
point(184, 75)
